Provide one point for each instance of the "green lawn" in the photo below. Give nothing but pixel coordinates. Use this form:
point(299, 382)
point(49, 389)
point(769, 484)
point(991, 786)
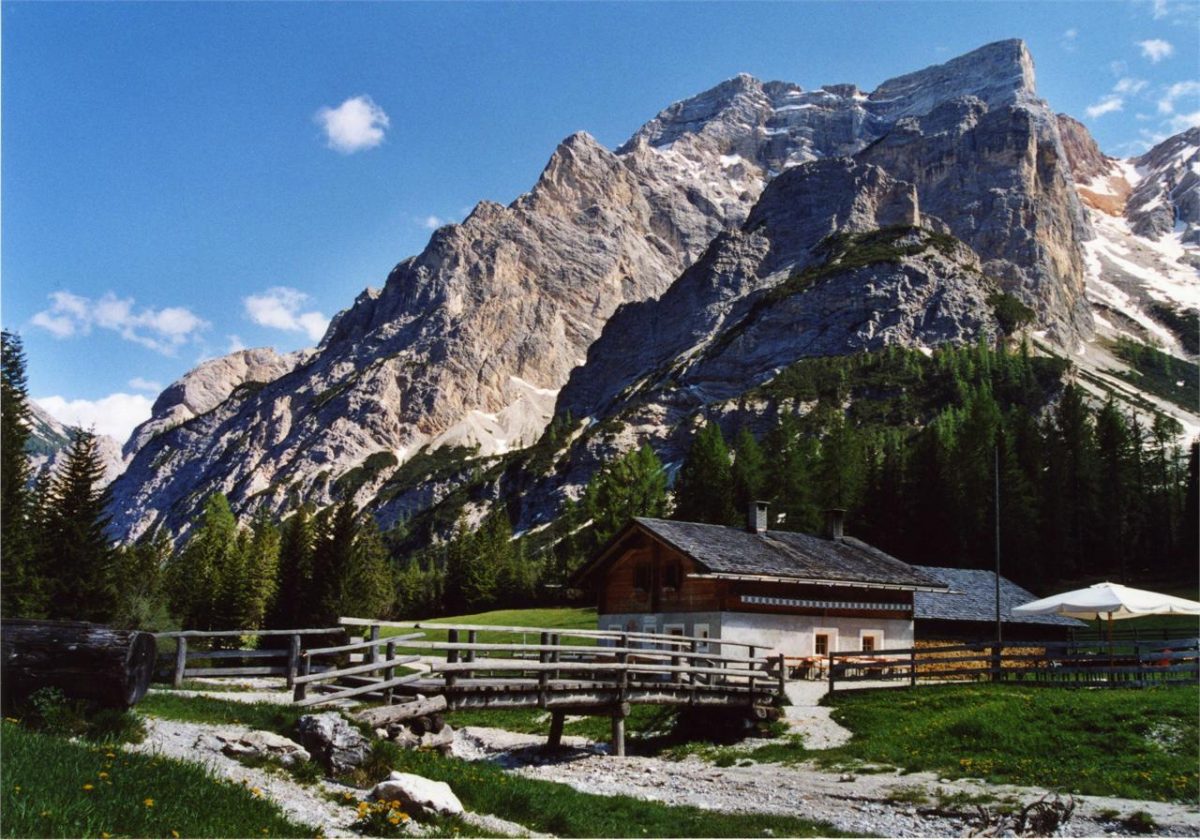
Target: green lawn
point(275, 717)
point(1139, 744)
point(52, 787)
point(561, 618)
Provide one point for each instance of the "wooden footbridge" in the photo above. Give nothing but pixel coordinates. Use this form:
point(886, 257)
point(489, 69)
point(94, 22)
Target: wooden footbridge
point(582, 672)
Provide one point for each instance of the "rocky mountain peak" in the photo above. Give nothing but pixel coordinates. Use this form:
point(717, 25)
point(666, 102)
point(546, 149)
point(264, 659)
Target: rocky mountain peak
point(1167, 196)
point(999, 73)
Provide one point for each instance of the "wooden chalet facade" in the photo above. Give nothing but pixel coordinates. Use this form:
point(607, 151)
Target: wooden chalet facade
point(791, 593)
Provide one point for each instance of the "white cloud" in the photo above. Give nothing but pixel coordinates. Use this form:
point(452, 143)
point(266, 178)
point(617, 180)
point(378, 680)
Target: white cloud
point(1182, 122)
point(279, 308)
point(432, 222)
point(1106, 105)
point(116, 415)
point(356, 124)
point(1175, 92)
point(140, 384)
point(1159, 9)
point(1130, 85)
point(1068, 39)
point(1156, 49)
point(162, 330)
point(235, 344)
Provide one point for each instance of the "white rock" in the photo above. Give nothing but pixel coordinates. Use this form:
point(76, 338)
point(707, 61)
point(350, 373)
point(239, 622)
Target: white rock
point(417, 794)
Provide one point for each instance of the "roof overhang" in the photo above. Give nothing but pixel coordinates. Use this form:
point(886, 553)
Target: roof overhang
point(859, 584)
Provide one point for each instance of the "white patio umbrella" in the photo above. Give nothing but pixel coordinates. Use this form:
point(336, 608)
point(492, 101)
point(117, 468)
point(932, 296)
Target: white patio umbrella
point(1111, 600)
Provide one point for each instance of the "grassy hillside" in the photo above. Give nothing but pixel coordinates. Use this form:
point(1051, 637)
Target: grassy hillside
point(563, 618)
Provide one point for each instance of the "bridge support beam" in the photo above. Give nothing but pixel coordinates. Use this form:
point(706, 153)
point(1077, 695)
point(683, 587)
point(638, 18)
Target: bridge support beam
point(556, 730)
point(618, 735)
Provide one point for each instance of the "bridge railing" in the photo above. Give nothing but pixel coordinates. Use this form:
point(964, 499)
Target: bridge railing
point(333, 669)
point(591, 666)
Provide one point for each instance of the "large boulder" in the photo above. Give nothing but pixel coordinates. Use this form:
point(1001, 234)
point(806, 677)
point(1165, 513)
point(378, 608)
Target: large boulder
point(333, 742)
point(418, 795)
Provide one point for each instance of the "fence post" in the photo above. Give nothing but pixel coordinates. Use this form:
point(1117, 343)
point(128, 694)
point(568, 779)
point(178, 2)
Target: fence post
point(996, 647)
point(389, 671)
point(543, 676)
point(301, 689)
point(1137, 654)
point(469, 655)
point(623, 673)
point(451, 656)
point(373, 650)
point(782, 677)
point(912, 665)
point(831, 671)
point(293, 659)
point(180, 660)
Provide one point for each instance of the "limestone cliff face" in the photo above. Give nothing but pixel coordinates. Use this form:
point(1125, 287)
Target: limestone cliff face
point(50, 441)
point(469, 342)
point(1167, 196)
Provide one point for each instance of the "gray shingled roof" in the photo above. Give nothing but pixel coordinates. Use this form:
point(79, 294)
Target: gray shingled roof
point(736, 551)
point(972, 597)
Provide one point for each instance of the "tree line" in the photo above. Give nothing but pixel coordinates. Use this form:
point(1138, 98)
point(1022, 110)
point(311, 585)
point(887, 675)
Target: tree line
point(908, 443)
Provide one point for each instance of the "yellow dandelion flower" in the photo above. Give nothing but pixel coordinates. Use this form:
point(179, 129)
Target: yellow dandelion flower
point(394, 820)
point(148, 802)
point(255, 792)
point(17, 788)
point(174, 833)
point(102, 775)
point(105, 835)
point(88, 787)
point(12, 720)
point(110, 755)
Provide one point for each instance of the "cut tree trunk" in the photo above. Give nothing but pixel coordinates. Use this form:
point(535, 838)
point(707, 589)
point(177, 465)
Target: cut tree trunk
point(86, 661)
point(380, 717)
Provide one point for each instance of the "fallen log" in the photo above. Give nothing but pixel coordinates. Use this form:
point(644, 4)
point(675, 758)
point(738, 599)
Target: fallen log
point(380, 717)
point(85, 661)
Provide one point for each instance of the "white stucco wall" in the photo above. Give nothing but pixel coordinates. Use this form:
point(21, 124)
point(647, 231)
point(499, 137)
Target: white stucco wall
point(791, 635)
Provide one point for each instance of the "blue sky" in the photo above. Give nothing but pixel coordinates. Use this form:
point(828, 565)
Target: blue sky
point(183, 179)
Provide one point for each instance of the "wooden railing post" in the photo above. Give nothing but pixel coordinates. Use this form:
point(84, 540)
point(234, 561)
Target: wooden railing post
point(912, 665)
point(623, 672)
point(301, 689)
point(782, 677)
point(831, 679)
point(389, 671)
point(469, 655)
point(543, 674)
point(451, 656)
point(293, 659)
point(752, 677)
point(554, 655)
point(373, 650)
point(180, 660)
point(996, 647)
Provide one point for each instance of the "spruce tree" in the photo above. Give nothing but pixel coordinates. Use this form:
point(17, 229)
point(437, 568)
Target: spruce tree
point(704, 486)
point(75, 542)
point(790, 477)
point(22, 584)
point(331, 559)
point(633, 485)
point(369, 591)
point(295, 568)
point(198, 579)
point(748, 472)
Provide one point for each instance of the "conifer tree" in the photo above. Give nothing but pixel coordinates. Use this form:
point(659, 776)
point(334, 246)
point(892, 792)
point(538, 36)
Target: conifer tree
point(369, 591)
point(138, 579)
point(74, 541)
point(633, 485)
point(704, 486)
point(295, 570)
point(198, 576)
point(790, 477)
point(748, 472)
point(331, 558)
point(22, 583)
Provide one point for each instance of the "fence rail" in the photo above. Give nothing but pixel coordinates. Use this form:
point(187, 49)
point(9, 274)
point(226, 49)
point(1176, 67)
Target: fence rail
point(231, 662)
point(1131, 664)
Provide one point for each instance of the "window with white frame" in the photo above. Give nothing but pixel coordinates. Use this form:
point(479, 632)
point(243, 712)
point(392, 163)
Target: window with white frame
point(870, 640)
point(824, 640)
point(701, 632)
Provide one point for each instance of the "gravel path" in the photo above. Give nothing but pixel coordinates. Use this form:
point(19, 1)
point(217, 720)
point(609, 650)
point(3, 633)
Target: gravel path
point(857, 804)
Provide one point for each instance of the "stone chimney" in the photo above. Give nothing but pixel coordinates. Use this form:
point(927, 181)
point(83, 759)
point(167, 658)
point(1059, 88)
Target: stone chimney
point(756, 518)
point(835, 523)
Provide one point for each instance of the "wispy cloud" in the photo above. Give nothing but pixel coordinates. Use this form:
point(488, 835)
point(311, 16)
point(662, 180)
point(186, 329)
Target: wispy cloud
point(356, 124)
point(1129, 85)
point(279, 308)
point(235, 344)
point(1182, 122)
point(116, 415)
point(432, 222)
point(1156, 49)
point(140, 384)
point(161, 330)
point(1173, 93)
point(1068, 40)
point(1107, 105)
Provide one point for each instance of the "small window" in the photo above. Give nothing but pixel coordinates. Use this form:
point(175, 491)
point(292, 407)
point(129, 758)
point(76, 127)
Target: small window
point(870, 640)
point(821, 644)
point(641, 576)
point(672, 575)
point(701, 631)
point(868, 643)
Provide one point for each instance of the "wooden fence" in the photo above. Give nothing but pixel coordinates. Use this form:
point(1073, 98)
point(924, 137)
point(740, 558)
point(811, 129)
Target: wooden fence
point(233, 662)
point(1136, 664)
